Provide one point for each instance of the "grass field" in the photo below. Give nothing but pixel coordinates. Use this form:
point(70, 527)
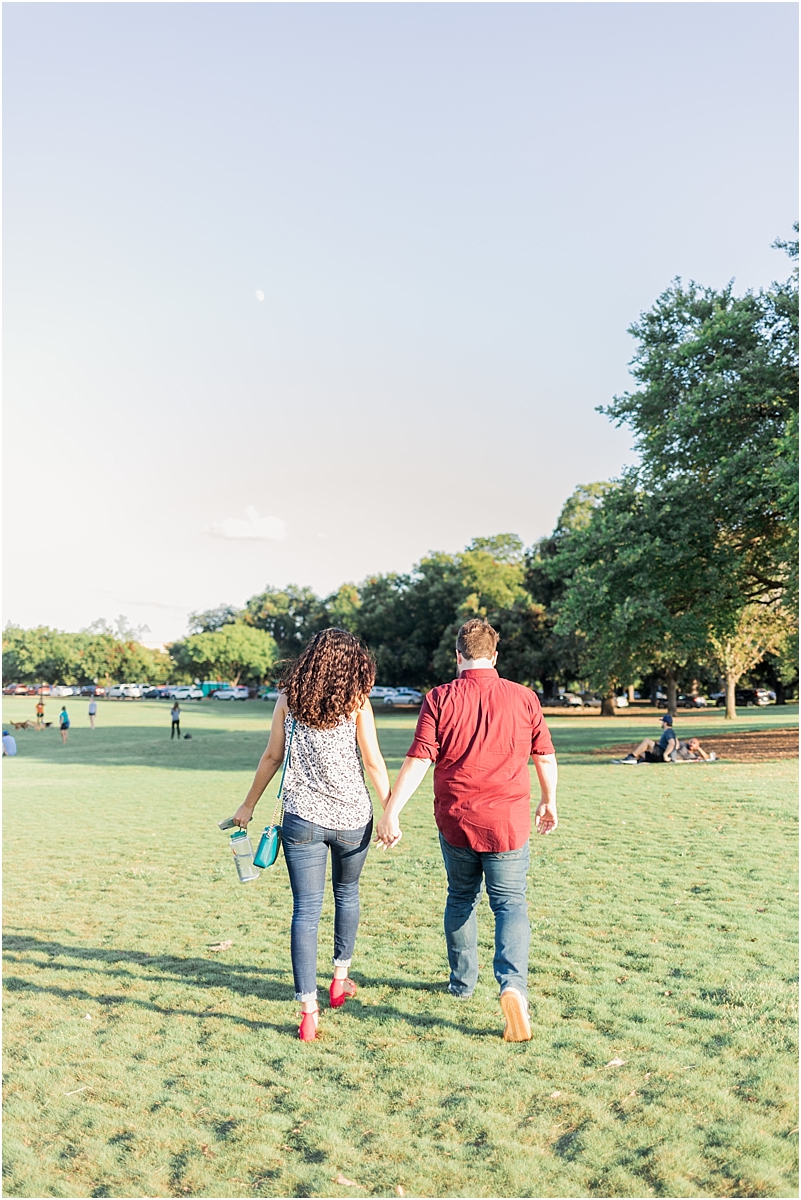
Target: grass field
point(140, 1063)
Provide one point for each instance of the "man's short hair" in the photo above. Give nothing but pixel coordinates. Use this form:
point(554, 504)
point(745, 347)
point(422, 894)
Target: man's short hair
point(476, 639)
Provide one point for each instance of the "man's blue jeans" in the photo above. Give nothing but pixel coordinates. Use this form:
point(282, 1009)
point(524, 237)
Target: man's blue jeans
point(306, 847)
point(504, 875)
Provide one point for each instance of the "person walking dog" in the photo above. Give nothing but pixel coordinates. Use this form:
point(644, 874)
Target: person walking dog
point(175, 720)
point(322, 718)
point(479, 731)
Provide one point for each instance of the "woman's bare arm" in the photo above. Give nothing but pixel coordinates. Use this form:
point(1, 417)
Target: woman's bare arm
point(269, 763)
point(372, 757)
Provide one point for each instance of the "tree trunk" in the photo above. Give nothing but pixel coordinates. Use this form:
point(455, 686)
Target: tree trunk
point(781, 692)
point(608, 703)
point(631, 693)
point(672, 707)
point(731, 708)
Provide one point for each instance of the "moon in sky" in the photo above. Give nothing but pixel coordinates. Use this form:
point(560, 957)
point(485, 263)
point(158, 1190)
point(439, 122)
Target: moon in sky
point(259, 296)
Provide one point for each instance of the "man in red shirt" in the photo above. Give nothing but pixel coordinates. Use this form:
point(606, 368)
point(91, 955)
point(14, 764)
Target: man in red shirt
point(479, 732)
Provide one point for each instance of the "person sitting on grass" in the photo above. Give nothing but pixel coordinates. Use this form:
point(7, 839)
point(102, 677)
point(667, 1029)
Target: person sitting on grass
point(692, 751)
point(650, 751)
point(9, 744)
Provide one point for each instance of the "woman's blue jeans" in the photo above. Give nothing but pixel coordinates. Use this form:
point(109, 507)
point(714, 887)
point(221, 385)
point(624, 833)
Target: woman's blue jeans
point(504, 875)
point(306, 847)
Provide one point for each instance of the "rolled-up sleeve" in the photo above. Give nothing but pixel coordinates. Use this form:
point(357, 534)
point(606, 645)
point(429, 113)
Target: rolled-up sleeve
point(425, 744)
point(540, 733)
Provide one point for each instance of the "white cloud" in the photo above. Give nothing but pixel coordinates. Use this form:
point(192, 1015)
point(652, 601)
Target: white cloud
point(259, 296)
point(253, 528)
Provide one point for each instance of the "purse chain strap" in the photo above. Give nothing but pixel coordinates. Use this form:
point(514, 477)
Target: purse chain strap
point(278, 811)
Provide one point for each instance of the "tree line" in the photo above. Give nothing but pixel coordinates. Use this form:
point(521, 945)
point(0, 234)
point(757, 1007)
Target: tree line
point(682, 572)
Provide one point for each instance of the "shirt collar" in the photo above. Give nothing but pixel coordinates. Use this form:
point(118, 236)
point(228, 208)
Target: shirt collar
point(480, 675)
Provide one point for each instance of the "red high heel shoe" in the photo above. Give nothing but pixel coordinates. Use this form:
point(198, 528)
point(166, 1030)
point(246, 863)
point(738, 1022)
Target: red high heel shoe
point(340, 990)
point(308, 1025)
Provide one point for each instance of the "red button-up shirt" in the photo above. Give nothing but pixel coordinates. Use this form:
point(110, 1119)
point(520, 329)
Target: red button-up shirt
point(479, 731)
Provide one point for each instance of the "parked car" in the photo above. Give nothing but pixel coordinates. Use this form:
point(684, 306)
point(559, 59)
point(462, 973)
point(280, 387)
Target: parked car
point(34, 689)
point(568, 700)
point(210, 686)
point(11, 689)
point(125, 691)
point(232, 693)
point(92, 689)
point(402, 696)
point(744, 698)
point(21, 689)
point(269, 694)
point(590, 700)
point(685, 701)
point(61, 690)
point(190, 692)
point(378, 693)
point(621, 701)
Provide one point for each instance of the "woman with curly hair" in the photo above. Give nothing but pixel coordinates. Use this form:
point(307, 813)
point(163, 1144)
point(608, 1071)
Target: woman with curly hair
point(324, 716)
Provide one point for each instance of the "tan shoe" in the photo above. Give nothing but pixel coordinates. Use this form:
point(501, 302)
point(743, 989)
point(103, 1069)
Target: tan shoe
point(515, 1009)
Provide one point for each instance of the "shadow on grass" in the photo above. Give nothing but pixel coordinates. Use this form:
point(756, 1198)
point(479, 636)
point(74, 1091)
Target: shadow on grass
point(242, 980)
point(13, 984)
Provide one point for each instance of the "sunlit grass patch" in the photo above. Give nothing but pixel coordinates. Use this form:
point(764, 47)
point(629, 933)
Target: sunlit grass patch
point(140, 1062)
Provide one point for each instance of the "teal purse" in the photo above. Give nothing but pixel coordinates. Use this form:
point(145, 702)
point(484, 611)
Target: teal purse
point(270, 840)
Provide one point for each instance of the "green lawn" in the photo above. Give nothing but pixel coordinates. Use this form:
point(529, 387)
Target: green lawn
point(664, 915)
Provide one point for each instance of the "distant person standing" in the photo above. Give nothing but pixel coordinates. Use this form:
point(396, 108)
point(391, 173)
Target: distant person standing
point(92, 711)
point(64, 723)
point(40, 711)
point(175, 714)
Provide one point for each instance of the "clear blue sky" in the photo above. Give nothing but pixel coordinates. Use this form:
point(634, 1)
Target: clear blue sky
point(453, 212)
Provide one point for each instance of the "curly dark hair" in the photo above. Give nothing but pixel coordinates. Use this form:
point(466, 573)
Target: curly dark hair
point(330, 680)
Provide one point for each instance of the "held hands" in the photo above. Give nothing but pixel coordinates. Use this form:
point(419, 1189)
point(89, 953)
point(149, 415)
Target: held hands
point(545, 817)
point(388, 832)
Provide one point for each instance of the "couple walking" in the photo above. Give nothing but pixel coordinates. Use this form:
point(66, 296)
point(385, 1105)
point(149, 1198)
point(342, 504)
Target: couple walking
point(479, 731)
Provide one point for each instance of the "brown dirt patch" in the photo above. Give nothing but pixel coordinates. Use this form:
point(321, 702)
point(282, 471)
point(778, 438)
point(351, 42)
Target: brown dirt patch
point(758, 745)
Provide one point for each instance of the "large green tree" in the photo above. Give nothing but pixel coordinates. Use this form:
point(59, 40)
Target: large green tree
point(717, 406)
point(554, 651)
point(645, 574)
point(291, 615)
point(233, 652)
point(213, 618)
point(96, 654)
point(403, 618)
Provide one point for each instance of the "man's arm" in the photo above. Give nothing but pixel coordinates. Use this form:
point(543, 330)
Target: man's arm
point(672, 744)
point(545, 817)
point(410, 776)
